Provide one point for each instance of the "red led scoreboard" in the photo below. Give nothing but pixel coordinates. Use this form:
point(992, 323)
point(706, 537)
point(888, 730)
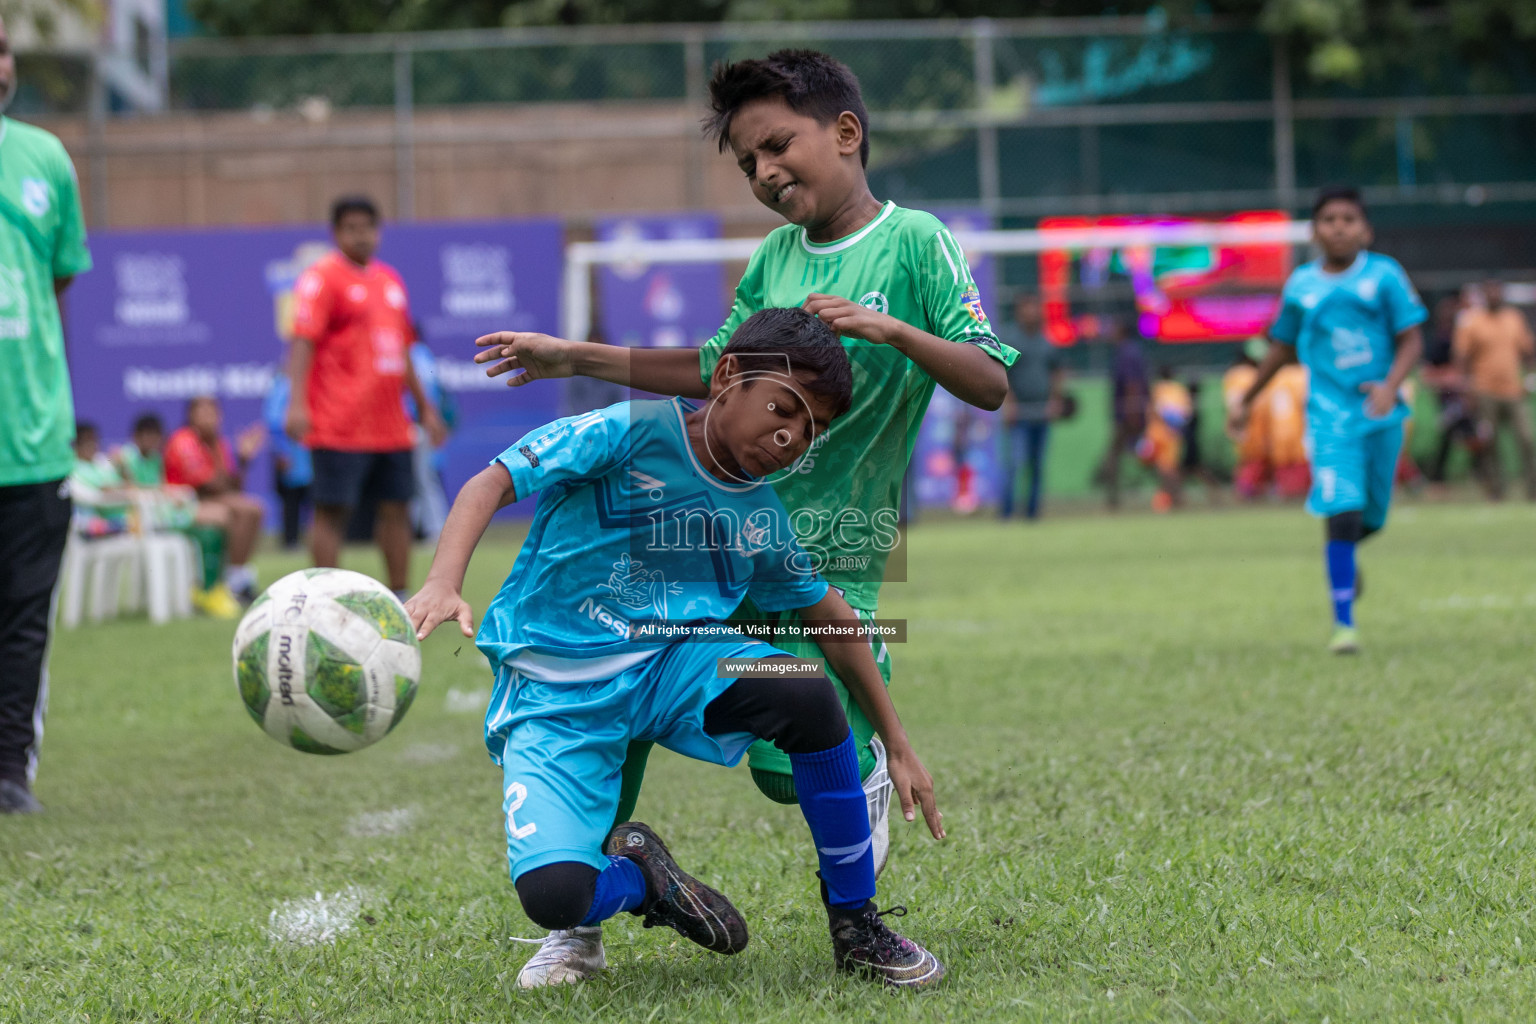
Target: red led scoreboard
point(1183, 293)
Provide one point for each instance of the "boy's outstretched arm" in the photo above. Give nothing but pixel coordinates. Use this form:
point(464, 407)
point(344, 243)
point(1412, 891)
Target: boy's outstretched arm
point(965, 371)
point(661, 371)
point(439, 598)
point(855, 665)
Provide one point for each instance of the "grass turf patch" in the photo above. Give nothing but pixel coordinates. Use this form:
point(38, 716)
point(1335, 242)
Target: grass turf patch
point(1165, 801)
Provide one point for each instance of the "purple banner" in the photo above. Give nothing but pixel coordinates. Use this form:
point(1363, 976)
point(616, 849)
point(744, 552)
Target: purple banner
point(166, 316)
point(663, 305)
point(955, 463)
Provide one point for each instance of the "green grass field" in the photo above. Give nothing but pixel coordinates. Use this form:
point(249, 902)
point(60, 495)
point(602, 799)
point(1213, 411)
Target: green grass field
point(1165, 802)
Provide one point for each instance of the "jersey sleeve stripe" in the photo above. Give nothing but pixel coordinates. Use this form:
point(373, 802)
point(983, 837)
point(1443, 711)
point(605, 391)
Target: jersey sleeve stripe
point(945, 250)
point(964, 264)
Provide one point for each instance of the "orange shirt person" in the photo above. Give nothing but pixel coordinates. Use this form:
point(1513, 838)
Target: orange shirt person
point(198, 456)
point(1492, 347)
point(350, 370)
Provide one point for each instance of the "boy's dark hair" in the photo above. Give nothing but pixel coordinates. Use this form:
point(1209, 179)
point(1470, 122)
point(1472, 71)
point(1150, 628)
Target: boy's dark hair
point(83, 427)
point(811, 83)
point(353, 204)
point(1341, 193)
point(773, 340)
point(148, 421)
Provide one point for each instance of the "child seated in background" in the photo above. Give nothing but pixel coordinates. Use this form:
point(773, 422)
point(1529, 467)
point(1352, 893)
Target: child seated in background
point(198, 457)
point(174, 507)
point(141, 465)
point(101, 499)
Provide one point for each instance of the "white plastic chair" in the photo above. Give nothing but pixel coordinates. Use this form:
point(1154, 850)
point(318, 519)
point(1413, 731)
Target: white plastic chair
point(162, 575)
point(166, 569)
point(95, 568)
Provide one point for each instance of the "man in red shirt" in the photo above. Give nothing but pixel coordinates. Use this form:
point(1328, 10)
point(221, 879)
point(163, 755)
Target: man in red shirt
point(198, 456)
point(350, 368)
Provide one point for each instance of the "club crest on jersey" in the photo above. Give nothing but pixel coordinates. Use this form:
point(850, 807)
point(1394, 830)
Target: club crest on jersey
point(971, 298)
point(35, 196)
point(875, 301)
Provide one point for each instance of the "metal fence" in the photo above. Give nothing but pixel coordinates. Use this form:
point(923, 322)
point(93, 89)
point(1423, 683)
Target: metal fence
point(1019, 118)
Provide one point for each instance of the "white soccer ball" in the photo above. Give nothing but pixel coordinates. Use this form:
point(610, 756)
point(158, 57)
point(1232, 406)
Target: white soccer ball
point(326, 661)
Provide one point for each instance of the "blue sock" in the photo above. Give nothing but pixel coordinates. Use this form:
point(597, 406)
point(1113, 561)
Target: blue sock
point(620, 886)
point(1341, 580)
point(833, 804)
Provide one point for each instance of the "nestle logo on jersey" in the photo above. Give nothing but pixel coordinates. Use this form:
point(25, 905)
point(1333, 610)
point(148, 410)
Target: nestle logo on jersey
point(605, 616)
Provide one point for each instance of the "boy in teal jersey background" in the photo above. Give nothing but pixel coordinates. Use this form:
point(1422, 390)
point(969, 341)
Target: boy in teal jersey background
point(895, 286)
point(1352, 318)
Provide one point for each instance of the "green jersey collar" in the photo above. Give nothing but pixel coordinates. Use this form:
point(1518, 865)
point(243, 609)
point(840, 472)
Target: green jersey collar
point(827, 248)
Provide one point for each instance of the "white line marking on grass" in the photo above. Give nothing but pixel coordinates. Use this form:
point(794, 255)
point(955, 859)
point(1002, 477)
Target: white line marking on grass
point(371, 824)
point(1477, 602)
point(429, 753)
point(310, 922)
point(468, 701)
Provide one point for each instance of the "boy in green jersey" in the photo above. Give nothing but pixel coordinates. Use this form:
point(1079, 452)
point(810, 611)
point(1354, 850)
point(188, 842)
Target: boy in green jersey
point(895, 285)
point(42, 249)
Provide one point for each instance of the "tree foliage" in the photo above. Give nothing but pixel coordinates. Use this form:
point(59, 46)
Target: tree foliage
point(1334, 40)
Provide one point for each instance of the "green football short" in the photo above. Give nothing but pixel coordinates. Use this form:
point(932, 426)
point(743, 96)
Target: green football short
point(763, 756)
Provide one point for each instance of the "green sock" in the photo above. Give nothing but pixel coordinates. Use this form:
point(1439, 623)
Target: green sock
point(210, 543)
point(780, 788)
point(631, 776)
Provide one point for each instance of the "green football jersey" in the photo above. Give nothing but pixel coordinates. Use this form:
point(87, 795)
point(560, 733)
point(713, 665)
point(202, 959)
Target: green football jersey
point(42, 237)
point(844, 498)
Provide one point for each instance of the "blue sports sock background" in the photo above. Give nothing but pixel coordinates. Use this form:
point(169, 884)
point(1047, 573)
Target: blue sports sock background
point(1341, 580)
point(620, 886)
point(832, 801)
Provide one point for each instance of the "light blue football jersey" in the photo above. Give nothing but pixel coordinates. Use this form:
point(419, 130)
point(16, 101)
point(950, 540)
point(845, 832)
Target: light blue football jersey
point(631, 532)
point(1343, 327)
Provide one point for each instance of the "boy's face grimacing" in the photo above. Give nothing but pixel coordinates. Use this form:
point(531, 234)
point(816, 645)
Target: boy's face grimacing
point(1341, 231)
point(798, 167)
point(762, 422)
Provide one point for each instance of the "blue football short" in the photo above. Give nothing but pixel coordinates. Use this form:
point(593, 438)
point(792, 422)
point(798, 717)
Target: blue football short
point(1354, 473)
point(561, 745)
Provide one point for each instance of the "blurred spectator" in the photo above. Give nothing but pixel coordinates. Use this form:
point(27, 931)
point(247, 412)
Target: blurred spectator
point(429, 508)
point(1162, 444)
point(350, 366)
point(1286, 397)
point(1033, 400)
point(1194, 466)
point(101, 497)
point(141, 463)
point(293, 472)
point(1128, 406)
point(1458, 409)
point(1493, 347)
point(197, 456)
point(1252, 474)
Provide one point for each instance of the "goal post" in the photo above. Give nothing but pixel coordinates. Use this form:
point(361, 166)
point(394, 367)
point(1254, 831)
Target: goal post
point(581, 258)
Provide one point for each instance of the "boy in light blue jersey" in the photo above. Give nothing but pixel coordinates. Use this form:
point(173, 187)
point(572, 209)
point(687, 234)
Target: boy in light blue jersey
point(1352, 319)
point(655, 520)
